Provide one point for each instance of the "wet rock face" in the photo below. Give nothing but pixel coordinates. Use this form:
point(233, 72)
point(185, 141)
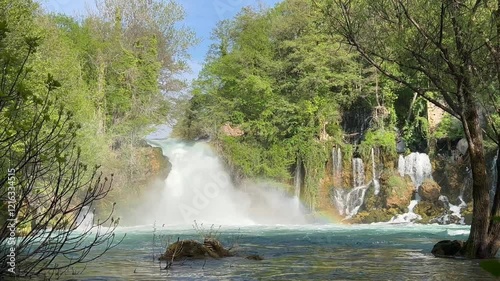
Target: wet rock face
point(448, 248)
point(429, 191)
point(429, 210)
point(396, 190)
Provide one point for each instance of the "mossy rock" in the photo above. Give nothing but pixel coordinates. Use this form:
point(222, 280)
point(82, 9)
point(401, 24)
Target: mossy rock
point(372, 201)
point(396, 190)
point(451, 175)
point(378, 215)
point(429, 191)
point(192, 249)
point(429, 210)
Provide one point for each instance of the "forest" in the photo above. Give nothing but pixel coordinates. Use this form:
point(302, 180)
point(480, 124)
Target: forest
point(366, 111)
point(282, 86)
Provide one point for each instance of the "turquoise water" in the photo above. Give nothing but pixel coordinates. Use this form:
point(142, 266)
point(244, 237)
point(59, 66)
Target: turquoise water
point(305, 252)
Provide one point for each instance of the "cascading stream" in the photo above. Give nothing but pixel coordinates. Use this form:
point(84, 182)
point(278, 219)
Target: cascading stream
point(376, 183)
point(418, 167)
point(349, 202)
point(494, 176)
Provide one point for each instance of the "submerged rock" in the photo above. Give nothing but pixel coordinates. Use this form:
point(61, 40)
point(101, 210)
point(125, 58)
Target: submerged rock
point(193, 249)
point(448, 248)
point(254, 257)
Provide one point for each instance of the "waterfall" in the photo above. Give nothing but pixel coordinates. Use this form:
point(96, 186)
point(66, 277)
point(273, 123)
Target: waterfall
point(418, 167)
point(401, 165)
point(199, 187)
point(337, 165)
point(298, 178)
point(85, 219)
point(375, 181)
point(494, 176)
point(349, 202)
point(358, 172)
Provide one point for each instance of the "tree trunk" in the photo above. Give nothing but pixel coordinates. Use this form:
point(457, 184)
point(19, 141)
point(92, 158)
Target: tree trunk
point(494, 229)
point(477, 244)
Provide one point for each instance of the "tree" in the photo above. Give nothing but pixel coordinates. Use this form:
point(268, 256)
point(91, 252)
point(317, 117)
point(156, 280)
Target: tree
point(447, 52)
point(44, 180)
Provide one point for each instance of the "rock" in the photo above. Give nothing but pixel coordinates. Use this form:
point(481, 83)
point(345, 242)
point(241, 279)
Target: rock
point(193, 249)
point(376, 215)
point(396, 190)
point(254, 257)
point(232, 131)
point(447, 248)
point(429, 210)
point(462, 146)
point(215, 248)
point(429, 191)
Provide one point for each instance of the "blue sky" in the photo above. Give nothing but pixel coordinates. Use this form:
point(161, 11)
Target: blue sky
point(201, 16)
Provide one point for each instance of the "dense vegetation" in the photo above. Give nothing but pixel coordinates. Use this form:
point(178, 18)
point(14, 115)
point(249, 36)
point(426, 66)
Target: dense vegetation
point(282, 86)
point(77, 94)
point(295, 90)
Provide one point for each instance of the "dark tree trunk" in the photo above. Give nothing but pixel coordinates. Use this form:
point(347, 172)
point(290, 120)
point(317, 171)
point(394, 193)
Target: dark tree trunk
point(478, 244)
point(494, 229)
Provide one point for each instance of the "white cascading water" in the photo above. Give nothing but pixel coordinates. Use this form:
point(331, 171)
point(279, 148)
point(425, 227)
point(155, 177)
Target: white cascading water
point(85, 219)
point(358, 172)
point(337, 162)
point(376, 183)
point(199, 188)
point(418, 167)
point(298, 178)
point(494, 176)
point(456, 210)
point(349, 202)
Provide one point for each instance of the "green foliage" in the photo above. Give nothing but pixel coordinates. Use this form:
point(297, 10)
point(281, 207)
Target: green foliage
point(385, 140)
point(282, 79)
point(449, 128)
point(492, 266)
point(416, 128)
point(98, 81)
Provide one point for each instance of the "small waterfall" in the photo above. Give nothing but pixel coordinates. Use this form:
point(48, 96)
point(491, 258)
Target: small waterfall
point(85, 219)
point(454, 215)
point(494, 176)
point(358, 172)
point(401, 165)
point(375, 181)
point(348, 203)
point(298, 178)
point(418, 167)
point(336, 165)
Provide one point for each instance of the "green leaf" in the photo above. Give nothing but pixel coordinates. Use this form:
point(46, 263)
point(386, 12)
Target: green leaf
point(492, 266)
point(496, 219)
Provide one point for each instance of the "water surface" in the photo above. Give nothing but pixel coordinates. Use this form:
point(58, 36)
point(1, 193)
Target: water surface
point(305, 252)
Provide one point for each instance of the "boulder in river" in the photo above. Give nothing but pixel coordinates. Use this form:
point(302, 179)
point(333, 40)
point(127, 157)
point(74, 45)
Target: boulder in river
point(193, 249)
point(448, 249)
